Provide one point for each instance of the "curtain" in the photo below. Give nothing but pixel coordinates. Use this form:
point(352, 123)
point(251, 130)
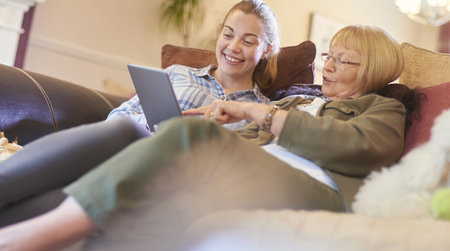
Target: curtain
point(444, 38)
point(23, 39)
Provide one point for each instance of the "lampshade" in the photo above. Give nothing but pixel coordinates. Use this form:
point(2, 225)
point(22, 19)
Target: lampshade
point(430, 12)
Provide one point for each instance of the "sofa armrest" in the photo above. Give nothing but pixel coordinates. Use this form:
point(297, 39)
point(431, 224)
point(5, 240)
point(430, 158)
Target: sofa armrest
point(33, 105)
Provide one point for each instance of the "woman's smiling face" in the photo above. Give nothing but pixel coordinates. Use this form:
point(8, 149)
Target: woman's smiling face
point(340, 78)
point(240, 45)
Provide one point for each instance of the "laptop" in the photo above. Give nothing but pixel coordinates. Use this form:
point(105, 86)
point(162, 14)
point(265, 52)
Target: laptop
point(155, 93)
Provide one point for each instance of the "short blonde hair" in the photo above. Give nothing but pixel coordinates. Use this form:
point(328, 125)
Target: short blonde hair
point(266, 70)
point(381, 56)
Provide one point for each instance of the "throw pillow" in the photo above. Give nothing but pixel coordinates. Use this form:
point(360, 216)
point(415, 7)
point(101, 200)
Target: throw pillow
point(435, 102)
point(423, 67)
point(295, 63)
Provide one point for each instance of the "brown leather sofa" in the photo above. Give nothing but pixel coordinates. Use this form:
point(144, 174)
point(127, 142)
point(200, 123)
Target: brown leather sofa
point(33, 105)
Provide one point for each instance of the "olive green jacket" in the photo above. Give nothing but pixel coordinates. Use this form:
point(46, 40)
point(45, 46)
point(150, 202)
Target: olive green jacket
point(350, 137)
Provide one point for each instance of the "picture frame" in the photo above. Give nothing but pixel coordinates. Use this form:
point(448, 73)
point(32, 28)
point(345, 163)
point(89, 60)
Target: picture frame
point(321, 30)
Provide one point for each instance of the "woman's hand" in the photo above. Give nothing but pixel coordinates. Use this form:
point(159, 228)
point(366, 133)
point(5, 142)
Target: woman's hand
point(230, 111)
point(226, 112)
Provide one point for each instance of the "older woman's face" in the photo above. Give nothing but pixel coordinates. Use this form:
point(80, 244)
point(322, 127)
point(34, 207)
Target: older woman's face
point(340, 76)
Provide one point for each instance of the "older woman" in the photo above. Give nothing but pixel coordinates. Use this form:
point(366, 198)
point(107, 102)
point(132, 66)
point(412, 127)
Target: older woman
point(149, 193)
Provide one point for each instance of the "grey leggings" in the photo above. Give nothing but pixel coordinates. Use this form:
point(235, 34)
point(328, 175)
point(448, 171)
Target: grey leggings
point(60, 158)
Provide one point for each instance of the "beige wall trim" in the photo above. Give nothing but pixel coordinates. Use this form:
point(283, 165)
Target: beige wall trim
point(79, 52)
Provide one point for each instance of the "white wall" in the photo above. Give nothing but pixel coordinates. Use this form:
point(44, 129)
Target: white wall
point(88, 41)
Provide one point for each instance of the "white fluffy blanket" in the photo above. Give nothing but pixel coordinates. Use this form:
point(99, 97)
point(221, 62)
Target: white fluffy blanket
point(405, 189)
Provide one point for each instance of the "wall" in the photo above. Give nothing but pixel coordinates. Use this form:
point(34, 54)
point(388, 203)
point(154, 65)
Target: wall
point(90, 41)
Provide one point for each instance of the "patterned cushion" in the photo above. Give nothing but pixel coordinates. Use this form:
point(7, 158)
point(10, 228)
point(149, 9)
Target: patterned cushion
point(423, 67)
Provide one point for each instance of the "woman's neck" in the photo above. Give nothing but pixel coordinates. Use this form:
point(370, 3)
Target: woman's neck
point(231, 85)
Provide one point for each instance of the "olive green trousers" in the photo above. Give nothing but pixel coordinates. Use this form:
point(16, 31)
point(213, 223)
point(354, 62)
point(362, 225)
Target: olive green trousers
point(145, 196)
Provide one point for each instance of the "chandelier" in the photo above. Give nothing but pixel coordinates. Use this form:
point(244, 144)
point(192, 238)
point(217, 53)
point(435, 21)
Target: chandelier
point(431, 12)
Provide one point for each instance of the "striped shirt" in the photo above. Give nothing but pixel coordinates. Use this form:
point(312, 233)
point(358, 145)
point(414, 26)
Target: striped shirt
point(193, 88)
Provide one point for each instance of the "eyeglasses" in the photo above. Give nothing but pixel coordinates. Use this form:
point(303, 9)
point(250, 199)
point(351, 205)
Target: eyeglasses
point(338, 61)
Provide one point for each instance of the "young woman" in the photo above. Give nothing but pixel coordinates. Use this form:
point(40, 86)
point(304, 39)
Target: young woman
point(246, 53)
point(247, 49)
point(147, 195)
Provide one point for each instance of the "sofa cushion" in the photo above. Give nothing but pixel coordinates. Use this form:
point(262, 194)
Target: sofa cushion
point(436, 100)
point(34, 105)
point(423, 67)
point(295, 63)
point(268, 230)
point(193, 57)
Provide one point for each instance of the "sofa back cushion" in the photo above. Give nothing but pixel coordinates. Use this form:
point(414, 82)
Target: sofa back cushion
point(295, 63)
point(427, 72)
point(436, 100)
point(423, 67)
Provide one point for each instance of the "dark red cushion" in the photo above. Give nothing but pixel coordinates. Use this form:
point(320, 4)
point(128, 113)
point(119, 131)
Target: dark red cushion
point(295, 63)
point(437, 100)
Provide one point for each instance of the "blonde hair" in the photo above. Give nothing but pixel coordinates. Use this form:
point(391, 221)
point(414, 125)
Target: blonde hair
point(381, 56)
point(266, 69)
